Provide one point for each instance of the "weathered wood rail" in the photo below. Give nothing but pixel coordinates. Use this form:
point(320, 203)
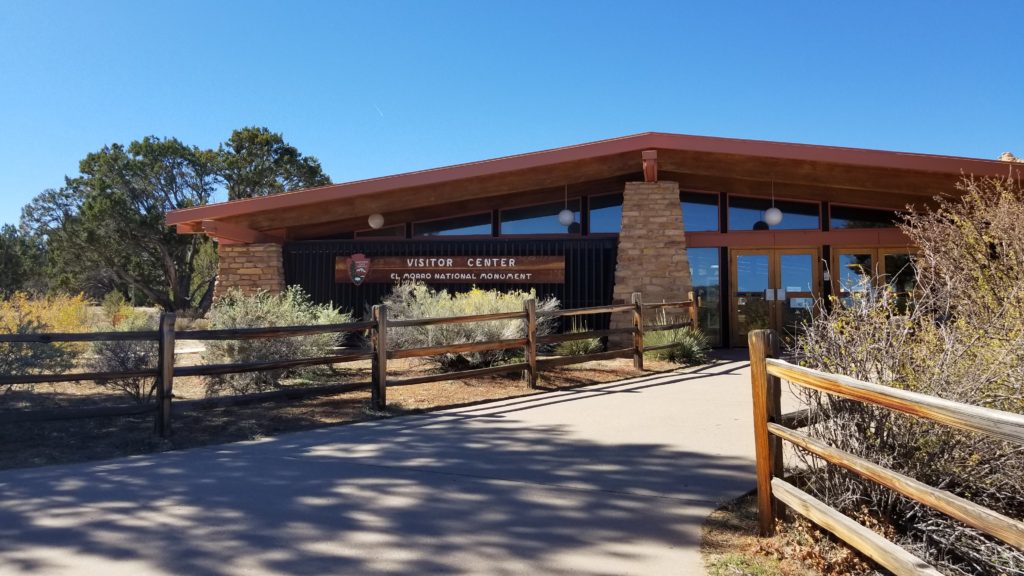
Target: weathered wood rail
point(771, 428)
point(379, 353)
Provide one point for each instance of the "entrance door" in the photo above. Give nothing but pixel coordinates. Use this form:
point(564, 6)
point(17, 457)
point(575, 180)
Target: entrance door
point(772, 288)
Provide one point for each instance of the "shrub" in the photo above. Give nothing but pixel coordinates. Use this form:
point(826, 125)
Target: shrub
point(416, 300)
point(289, 308)
point(578, 347)
point(21, 314)
point(959, 336)
point(689, 345)
point(116, 309)
point(128, 356)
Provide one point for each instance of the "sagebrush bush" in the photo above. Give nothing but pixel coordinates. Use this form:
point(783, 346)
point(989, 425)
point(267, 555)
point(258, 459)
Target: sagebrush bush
point(128, 356)
point(416, 300)
point(289, 308)
point(959, 335)
point(22, 314)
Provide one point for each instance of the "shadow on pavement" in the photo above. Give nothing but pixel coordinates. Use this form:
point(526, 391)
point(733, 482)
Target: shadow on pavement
point(467, 490)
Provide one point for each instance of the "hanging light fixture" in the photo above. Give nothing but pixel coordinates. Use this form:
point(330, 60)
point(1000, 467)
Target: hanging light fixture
point(773, 216)
point(566, 216)
point(375, 221)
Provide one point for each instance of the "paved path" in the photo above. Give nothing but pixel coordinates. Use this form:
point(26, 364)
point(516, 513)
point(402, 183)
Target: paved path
point(610, 479)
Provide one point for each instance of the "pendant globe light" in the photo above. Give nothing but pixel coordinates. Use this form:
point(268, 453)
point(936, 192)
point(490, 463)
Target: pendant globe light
point(773, 216)
point(566, 216)
point(375, 221)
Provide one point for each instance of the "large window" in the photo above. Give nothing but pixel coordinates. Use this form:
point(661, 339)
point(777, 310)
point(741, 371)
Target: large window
point(707, 286)
point(851, 217)
point(542, 219)
point(605, 213)
point(472, 225)
point(748, 214)
point(700, 211)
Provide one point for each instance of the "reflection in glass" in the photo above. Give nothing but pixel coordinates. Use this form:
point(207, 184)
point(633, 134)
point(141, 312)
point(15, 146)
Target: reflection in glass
point(796, 292)
point(900, 272)
point(854, 277)
point(901, 275)
point(541, 219)
point(386, 232)
point(605, 213)
point(748, 214)
point(751, 307)
point(850, 217)
point(700, 211)
point(707, 287)
point(473, 225)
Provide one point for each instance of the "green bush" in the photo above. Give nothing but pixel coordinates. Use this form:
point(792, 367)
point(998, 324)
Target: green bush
point(689, 345)
point(128, 356)
point(116, 310)
point(416, 300)
point(289, 308)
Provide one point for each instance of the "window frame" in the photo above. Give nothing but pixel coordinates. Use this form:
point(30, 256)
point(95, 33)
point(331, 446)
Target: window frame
point(489, 214)
point(590, 221)
point(817, 203)
point(718, 205)
point(862, 207)
point(503, 234)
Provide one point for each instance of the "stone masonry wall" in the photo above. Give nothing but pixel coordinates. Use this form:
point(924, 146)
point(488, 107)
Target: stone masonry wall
point(652, 248)
point(249, 267)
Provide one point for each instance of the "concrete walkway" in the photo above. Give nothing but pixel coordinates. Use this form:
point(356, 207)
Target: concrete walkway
point(610, 479)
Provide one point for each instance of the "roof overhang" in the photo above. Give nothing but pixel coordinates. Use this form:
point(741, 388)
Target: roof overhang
point(267, 218)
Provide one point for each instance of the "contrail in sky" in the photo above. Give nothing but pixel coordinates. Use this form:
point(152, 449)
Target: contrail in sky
point(378, 110)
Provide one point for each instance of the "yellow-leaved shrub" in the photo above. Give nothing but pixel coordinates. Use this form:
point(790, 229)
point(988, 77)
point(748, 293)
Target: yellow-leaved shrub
point(23, 314)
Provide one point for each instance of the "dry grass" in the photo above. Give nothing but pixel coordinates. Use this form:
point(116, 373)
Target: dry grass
point(730, 546)
point(38, 444)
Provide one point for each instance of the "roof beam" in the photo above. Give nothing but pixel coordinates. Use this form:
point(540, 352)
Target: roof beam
point(236, 233)
point(650, 159)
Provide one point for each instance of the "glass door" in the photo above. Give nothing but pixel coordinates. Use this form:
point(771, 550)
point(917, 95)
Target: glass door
point(796, 291)
point(772, 289)
point(751, 281)
point(859, 271)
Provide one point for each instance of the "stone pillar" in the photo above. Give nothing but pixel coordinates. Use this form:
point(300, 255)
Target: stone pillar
point(652, 249)
point(249, 267)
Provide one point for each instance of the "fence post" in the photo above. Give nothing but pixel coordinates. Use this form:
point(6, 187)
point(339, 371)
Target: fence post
point(530, 306)
point(694, 305)
point(767, 392)
point(165, 373)
point(638, 331)
point(379, 371)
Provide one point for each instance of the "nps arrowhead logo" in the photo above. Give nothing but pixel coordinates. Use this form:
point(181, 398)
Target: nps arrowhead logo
point(358, 268)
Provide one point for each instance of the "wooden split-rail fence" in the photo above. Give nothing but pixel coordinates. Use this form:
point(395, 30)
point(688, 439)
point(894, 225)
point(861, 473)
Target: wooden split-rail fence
point(771, 427)
point(379, 353)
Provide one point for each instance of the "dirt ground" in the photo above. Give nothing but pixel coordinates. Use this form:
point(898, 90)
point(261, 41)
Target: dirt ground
point(42, 443)
point(730, 546)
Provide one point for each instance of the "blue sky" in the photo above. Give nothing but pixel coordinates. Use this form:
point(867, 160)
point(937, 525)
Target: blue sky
point(377, 88)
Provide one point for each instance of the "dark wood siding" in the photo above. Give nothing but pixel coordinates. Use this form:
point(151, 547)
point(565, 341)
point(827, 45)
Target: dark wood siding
point(589, 267)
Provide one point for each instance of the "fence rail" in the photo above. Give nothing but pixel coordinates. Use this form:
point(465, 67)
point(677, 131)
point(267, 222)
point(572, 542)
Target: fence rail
point(378, 353)
point(771, 428)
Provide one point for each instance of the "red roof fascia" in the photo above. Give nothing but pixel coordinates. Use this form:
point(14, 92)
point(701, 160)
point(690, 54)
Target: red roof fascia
point(634, 143)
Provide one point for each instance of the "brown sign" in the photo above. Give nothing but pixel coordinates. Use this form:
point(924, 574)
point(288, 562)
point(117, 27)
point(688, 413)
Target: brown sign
point(360, 269)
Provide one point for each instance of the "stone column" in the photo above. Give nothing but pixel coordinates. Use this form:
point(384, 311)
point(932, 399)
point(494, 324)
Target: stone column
point(652, 249)
point(250, 268)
